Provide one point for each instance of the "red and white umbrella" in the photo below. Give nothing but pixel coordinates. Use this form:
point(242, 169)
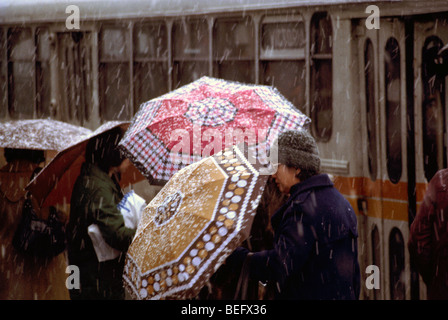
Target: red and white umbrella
point(203, 118)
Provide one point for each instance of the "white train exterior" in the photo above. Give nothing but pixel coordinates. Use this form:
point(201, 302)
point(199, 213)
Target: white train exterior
point(366, 73)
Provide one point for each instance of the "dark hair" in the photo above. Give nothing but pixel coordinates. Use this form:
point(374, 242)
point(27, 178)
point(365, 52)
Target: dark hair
point(305, 174)
point(103, 149)
point(35, 156)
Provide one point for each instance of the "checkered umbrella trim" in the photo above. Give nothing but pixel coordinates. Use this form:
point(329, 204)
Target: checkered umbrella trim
point(153, 158)
point(287, 117)
point(142, 118)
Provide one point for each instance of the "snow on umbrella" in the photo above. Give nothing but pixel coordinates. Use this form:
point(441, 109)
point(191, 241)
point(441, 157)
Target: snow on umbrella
point(40, 134)
point(203, 118)
point(54, 183)
point(196, 220)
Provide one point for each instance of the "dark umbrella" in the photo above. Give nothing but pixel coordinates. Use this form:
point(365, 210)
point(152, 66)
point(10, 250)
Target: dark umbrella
point(54, 184)
point(40, 134)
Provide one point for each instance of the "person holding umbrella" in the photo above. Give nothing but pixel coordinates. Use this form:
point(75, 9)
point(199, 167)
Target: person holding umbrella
point(24, 276)
point(94, 200)
point(315, 253)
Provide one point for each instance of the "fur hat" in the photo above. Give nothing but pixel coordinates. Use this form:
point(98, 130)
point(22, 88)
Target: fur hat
point(297, 149)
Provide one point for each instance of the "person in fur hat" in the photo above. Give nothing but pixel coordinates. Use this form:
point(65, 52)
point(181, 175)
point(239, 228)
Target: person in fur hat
point(315, 253)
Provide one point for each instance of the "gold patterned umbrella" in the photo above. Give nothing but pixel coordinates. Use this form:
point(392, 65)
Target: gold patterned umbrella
point(187, 231)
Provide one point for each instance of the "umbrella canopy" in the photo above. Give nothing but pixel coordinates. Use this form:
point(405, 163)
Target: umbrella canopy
point(203, 118)
point(40, 134)
point(54, 184)
point(196, 220)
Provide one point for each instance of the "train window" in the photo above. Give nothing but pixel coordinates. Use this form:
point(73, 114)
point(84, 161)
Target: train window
point(76, 80)
point(282, 56)
point(43, 76)
point(376, 254)
point(150, 61)
point(393, 110)
point(3, 82)
point(321, 75)
point(191, 50)
point(115, 44)
point(114, 73)
point(21, 52)
point(234, 49)
point(433, 110)
point(369, 75)
point(396, 265)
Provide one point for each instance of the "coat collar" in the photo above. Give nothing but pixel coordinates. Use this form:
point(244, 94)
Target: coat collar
point(299, 192)
point(317, 181)
point(95, 172)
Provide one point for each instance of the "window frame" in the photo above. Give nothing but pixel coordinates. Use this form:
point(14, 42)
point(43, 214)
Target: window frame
point(162, 61)
point(294, 55)
point(324, 133)
point(376, 253)
point(249, 58)
point(125, 62)
point(178, 61)
point(43, 104)
point(12, 112)
point(371, 107)
point(433, 160)
point(396, 250)
point(395, 167)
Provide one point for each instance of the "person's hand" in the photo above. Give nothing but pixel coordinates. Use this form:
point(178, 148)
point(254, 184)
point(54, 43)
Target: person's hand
point(236, 259)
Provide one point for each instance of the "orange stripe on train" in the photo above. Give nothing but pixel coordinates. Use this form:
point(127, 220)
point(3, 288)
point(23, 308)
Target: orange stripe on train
point(365, 187)
point(383, 199)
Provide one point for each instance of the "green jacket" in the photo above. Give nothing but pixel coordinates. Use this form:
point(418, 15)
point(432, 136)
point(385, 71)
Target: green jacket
point(94, 200)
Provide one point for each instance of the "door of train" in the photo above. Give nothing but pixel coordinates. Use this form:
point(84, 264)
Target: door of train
point(404, 94)
point(382, 54)
point(370, 222)
point(394, 157)
point(75, 74)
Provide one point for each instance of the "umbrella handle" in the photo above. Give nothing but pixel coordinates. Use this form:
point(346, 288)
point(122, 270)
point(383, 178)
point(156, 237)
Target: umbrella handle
point(243, 280)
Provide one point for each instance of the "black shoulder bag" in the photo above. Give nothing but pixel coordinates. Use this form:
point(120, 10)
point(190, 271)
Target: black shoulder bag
point(39, 237)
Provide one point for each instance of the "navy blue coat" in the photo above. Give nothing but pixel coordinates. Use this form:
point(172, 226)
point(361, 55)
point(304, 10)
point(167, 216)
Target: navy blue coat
point(315, 254)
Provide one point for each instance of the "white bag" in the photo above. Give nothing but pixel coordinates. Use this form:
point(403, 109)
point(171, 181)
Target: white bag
point(103, 251)
point(131, 207)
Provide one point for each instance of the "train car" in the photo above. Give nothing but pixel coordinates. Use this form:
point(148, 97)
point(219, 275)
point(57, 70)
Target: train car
point(366, 72)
